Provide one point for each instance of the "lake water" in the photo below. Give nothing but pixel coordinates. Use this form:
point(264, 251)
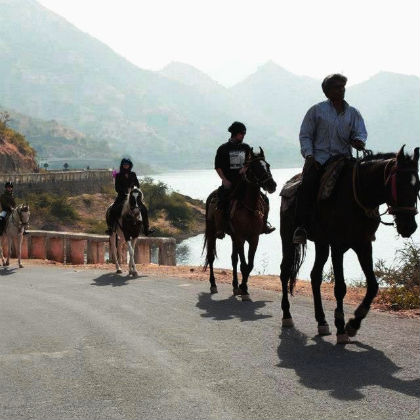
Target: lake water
point(199, 183)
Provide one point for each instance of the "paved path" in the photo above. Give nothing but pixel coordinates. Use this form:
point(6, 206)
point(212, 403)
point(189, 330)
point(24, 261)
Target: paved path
point(90, 344)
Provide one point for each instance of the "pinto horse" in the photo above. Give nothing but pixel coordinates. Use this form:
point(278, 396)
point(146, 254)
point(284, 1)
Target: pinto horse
point(128, 227)
point(246, 223)
point(15, 225)
point(349, 219)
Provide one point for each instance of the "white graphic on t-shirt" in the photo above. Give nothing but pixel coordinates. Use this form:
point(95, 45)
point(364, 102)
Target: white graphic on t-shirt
point(237, 159)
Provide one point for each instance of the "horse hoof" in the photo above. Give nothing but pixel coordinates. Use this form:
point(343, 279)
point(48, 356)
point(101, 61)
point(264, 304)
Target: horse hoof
point(213, 290)
point(20, 265)
point(324, 329)
point(135, 274)
point(343, 339)
point(246, 298)
point(351, 332)
point(287, 323)
point(236, 292)
point(119, 271)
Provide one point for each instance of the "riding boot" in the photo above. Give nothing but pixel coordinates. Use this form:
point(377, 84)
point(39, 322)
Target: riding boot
point(2, 223)
point(219, 219)
point(145, 217)
point(267, 228)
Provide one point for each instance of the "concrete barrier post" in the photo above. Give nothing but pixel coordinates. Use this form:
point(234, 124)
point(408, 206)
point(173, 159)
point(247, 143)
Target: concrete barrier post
point(77, 251)
point(26, 244)
point(38, 247)
point(92, 252)
point(167, 252)
point(100, 252)
point(55, 249)
point(142, 253)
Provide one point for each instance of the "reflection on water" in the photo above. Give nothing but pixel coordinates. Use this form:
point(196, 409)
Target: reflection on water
point(199, 183)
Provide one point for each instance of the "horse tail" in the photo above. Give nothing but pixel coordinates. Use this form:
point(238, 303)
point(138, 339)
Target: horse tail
point(209, 241)
point(298, 259)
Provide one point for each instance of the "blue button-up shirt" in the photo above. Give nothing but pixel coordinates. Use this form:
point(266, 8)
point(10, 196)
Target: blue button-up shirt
point(324, 133)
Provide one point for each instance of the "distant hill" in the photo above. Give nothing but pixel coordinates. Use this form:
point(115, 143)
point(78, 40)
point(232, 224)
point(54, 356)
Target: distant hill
point(16, 155)
point(175, 118)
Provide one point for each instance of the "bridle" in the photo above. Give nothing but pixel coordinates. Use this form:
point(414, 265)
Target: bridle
point(390, 181)
point(256, 181)
point(19, 223)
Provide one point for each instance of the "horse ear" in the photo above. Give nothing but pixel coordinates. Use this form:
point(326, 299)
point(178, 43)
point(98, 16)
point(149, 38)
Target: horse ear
point(400, 154)
point(416, 154)
point(261, 152)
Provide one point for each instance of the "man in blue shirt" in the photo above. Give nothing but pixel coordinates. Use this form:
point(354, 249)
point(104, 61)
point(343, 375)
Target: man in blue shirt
point(329, 129)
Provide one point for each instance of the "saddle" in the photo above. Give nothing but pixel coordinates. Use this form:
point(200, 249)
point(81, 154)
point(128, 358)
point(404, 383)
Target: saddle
point(327, 183)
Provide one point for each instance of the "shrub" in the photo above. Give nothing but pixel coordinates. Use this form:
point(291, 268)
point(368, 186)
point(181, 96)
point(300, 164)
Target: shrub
point(402, 280)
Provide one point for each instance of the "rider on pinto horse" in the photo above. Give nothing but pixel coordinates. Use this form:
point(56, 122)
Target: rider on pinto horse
point(125, 180)
point(229, 165)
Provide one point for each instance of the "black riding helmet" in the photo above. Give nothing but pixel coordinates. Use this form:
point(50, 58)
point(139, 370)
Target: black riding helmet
point(126, 161)
point(8, 184)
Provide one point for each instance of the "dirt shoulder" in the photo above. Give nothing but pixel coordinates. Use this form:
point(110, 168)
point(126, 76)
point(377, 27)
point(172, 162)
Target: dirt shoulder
point(267, 282)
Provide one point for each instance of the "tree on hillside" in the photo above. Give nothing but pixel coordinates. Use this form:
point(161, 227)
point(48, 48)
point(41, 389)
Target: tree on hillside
point(66, 166)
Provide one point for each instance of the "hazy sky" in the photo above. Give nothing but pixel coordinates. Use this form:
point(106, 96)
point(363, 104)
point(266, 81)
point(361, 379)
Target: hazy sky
point(229, 39)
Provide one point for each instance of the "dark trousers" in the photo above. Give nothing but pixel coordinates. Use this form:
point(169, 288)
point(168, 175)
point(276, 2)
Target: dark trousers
point(306, 197)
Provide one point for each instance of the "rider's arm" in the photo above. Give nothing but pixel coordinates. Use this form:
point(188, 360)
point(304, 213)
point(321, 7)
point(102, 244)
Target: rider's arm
point(358, 134)
point(307, 132)
point(225, 181)
point(118, 184)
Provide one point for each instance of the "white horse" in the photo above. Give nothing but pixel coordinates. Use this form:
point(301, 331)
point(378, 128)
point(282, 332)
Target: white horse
point(128, 229)
point(15, 225)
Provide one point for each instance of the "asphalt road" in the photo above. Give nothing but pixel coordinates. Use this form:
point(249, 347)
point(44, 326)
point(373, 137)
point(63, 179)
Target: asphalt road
point(90, 344)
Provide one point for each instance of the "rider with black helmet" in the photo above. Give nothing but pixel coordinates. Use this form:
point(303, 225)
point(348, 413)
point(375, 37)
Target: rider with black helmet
point(125, 180)
point(8, 203)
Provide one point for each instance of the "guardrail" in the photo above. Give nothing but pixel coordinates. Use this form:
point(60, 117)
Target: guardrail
point(82, 248)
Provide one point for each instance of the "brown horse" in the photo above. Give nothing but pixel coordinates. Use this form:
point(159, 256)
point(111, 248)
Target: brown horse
point(246, 222)
point(349, 219)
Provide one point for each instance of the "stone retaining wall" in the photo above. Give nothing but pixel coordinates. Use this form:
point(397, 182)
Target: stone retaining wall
point(73, 182)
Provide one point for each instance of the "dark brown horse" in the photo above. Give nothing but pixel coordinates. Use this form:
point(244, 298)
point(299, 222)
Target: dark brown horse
point(246, 224)
point(349, 219)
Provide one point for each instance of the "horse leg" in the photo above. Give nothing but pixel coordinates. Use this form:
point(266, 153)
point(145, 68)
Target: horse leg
point(340, 290)
point(1, 250)
point(243, 287)
point(321, 255)
point(210, 257)
point(253, 244)
point(285, 272)
point(114, 252)
point(235, 259)
point(9, 250)
point(131, 265)
point(19, 253)
point(364, 254)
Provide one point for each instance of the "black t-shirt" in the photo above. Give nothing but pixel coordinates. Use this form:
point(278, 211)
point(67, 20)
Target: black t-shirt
point(230, 158)
point(123, 183)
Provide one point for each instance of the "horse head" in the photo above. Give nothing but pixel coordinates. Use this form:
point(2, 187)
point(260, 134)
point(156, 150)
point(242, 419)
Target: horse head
point(402, 185)
point(135, 197)
point(258, 171)
point(24, 213)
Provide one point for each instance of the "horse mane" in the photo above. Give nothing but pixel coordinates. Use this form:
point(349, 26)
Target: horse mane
point(379, 156)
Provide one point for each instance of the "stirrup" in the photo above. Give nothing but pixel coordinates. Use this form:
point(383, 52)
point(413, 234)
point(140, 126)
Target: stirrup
point(300, 236)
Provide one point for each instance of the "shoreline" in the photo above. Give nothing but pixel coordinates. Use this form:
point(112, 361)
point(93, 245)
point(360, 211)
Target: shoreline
point(353, 297)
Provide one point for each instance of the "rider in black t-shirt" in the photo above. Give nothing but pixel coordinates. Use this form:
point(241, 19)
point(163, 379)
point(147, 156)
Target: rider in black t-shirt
point(229, 162)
